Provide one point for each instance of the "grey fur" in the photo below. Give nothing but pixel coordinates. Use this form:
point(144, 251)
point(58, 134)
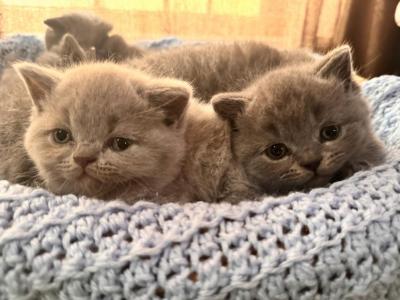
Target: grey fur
point(219, 67)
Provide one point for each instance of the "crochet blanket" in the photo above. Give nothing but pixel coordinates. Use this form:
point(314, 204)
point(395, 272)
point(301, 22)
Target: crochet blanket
point(340, 242)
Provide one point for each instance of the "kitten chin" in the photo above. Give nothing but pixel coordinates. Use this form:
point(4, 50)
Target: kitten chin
point(103, 130)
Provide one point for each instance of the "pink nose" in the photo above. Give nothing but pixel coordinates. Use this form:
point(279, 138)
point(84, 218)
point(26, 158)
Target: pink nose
point(312, 165)
point(83, 161)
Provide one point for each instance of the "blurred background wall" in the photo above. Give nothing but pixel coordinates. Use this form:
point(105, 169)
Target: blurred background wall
point(318, 24)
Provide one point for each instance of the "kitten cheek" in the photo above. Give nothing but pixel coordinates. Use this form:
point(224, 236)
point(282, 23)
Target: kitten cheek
point(264, 171)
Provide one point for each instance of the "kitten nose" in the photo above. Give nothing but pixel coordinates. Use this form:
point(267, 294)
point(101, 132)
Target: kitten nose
point(312, 165)
point(83, 161)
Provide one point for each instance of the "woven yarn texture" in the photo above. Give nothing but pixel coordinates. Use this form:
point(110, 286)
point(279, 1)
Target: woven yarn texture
point(340, 242)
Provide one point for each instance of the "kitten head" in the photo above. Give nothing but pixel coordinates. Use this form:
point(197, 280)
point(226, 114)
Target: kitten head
point(88, 29)
point(301, 127)
point(102, 130)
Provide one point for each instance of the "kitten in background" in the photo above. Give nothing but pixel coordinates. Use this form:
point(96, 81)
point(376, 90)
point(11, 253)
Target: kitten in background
point(99, 130)
point(66, 53)
point(90, 31)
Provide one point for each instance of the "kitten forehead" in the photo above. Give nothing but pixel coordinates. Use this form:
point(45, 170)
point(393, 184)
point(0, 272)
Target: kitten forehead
point(97, 98)
point(297, 103)
point(103, 88)
point(297, 96)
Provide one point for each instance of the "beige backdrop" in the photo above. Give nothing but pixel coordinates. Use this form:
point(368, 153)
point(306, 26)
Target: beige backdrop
point(318, 24)
point(280, 22)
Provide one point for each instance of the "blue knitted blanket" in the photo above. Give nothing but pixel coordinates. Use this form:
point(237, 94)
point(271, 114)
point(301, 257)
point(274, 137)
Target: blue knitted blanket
point(341, 242)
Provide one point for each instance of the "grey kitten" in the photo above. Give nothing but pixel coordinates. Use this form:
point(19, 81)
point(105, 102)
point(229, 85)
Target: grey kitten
point(219, 67)
point(99, 130)
point(302, 126)
point(88, 29)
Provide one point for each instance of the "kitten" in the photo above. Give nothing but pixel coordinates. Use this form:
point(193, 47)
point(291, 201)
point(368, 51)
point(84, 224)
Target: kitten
point(88, 29)
point(219, 67)
point(99, 130)
point(66, 53)
point(301, 126)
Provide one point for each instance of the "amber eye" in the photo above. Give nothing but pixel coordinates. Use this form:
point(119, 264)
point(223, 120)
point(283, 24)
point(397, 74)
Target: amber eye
point(120, 144)
point(61, 136)
point(277, 151)
point(329, 133)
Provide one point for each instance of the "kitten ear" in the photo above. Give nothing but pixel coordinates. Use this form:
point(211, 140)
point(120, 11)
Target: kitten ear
point(229, 105)
point(57, 24)
point(71, 50)
point(172, 97)
point(337, 63)
point(39, 81)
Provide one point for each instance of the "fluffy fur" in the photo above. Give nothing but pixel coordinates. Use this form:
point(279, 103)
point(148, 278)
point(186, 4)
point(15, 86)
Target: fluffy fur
point(209, 170)
point(15, 107)
point(95, 103)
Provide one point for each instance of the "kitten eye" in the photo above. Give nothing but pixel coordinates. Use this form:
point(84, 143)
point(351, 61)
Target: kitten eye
point(120, 144)
point(61, 136)
point(329, 133)
point(277, 151)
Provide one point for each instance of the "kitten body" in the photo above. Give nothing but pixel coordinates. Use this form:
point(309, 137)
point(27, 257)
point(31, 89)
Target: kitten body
point(96, 106)
point(219, 67)
point(15, 107)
